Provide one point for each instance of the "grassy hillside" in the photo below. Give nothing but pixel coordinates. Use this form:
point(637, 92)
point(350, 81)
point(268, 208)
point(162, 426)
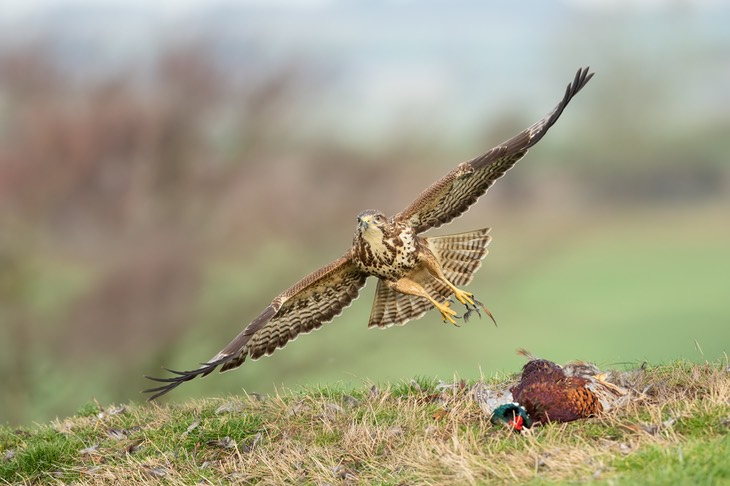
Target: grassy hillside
point(674, 429)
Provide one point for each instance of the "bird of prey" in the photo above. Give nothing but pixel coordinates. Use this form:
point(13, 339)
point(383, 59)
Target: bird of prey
point(415, 273)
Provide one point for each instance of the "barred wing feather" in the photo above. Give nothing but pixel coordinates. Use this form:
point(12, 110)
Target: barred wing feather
point(314, 300)
point(452, 195)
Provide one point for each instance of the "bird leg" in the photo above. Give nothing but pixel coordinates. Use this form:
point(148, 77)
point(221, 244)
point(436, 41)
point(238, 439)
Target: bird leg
point(407, 286)
point(466, 298)
point(462, 296)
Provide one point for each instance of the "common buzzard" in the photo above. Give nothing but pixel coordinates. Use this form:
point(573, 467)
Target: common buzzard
point(415, 273)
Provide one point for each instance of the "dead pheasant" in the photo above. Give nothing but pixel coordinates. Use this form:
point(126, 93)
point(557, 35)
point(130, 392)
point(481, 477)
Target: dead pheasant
point(548, 392)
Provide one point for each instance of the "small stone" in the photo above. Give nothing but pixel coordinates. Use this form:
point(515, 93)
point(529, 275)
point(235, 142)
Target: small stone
point(134, 447)
point(116, 434)
point(94, 449)
point(395, 431)
point(155, 472)
point(117, 410)
point(224, 443)
point(190, 428)
point(229, 407)
point(297, 409)
point(350, 402)
point(253, 444)
point(333, 407)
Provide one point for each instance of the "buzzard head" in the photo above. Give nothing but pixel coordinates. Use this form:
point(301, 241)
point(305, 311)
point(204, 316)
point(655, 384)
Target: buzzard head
point(372, 225)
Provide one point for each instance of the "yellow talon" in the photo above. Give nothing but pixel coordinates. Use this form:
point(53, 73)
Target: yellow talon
point(446, 312)
point(463, 296)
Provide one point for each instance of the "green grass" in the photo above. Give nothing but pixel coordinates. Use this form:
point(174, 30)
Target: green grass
point(692, 462)
point(675, 429)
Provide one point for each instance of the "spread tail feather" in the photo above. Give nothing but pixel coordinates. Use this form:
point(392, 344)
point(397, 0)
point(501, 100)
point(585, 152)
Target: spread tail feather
point(459, 255)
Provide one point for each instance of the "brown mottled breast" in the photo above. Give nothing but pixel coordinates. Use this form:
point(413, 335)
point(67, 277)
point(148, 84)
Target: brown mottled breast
point(389, 257)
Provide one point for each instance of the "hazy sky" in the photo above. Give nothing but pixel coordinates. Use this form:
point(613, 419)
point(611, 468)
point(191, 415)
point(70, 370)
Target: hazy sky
point(415, 58)
point(17, 9)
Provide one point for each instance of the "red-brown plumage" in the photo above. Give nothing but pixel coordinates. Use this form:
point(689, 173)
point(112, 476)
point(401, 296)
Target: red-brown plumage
point(550, 395)
point(564, 399)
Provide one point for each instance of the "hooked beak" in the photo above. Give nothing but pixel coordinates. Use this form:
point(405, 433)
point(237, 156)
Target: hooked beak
point(363, 223)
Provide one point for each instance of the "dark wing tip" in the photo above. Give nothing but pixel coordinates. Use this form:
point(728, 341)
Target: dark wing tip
point(229, 354)
point(537, 131)
point(582, 76)
point(181, 377)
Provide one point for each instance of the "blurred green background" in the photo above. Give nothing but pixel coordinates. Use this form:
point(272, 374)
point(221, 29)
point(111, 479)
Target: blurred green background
point(166, 168)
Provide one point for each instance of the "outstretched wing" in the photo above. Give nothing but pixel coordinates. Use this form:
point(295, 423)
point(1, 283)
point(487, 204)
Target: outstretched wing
point(305, 306)
point(451, 196)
